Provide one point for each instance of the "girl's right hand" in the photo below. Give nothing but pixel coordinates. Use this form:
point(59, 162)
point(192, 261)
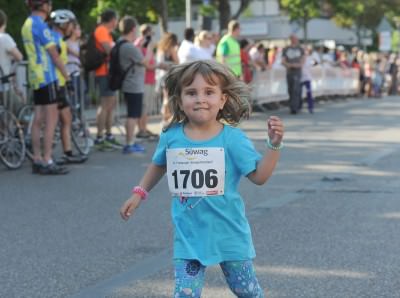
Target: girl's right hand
point(129, 206)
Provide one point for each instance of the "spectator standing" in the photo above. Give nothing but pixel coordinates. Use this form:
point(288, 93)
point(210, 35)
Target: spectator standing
point(74, 62)
point(187, 51)
point(166, 56)
point(293, 59)
point(8, 53)
point(257, 55)
point(272, 53)
point(149, 97)
point(228, 49)
point(246, 62)
point(61, 22)
point(393, 71)
point(327, 57)
point(133, 64)
point(43, 59)
point(204, 46)
point(306, 78)
point(108, 99)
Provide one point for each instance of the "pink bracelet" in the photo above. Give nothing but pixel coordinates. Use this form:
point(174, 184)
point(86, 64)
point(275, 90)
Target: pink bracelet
point(141, 192)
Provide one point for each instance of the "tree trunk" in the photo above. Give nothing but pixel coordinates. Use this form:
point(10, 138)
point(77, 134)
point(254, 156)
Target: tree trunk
point(224, 9)
point(161, 7)
point(243, 5)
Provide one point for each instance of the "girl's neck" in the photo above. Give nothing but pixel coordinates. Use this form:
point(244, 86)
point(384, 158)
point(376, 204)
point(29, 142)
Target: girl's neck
point(203, 132)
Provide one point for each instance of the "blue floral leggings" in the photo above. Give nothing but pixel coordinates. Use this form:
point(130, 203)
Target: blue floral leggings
point(240, 276)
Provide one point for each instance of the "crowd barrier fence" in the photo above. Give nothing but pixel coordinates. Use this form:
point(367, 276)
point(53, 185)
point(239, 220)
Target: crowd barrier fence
point(270, 85)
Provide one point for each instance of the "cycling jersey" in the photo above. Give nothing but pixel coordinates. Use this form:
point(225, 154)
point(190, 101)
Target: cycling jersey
point(63, 51)
point(37, 38)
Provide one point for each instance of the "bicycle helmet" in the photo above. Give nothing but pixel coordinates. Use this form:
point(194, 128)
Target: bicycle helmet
point(62, 16)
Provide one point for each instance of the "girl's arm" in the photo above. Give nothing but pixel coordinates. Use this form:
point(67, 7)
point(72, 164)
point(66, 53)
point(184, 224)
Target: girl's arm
point(267, 164)
point(153, 174)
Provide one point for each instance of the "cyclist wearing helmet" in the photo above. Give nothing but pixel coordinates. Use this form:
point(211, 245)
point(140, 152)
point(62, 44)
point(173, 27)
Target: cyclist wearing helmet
point(61, 23)
point(43, 60)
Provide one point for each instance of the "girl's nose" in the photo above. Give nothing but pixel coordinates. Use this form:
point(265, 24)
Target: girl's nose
point(200, 97)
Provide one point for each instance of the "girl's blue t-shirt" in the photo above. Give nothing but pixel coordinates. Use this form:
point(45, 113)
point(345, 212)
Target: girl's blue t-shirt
point(213, 229)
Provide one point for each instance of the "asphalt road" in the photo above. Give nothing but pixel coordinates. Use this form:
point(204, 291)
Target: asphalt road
point(325, 225)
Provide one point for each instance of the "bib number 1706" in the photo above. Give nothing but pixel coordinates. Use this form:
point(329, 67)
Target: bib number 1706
point(197, 178)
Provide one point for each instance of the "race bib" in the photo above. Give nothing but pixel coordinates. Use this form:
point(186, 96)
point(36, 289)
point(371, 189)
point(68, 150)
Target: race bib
point(194, 172)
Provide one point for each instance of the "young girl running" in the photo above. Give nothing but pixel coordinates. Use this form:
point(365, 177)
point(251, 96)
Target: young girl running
point(204, 157)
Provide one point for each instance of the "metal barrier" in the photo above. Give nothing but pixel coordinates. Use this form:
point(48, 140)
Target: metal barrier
point(270, 85)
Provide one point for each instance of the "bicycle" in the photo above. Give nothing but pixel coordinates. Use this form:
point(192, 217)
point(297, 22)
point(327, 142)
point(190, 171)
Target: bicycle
point(80, 135)
point(12, 144)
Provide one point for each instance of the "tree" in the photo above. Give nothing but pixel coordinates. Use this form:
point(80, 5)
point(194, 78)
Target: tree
point(224, 9)
point(302, 11)
point(361, 14)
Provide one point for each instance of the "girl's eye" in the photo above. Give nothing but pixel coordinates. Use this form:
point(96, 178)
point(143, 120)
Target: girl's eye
point(210, 92)
point(191, 93)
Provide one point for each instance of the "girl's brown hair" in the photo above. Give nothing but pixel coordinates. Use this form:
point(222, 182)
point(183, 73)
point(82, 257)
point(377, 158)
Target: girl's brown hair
point(237, 105)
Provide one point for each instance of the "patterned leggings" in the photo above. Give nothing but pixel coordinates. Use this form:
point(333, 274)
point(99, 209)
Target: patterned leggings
point(240, 276)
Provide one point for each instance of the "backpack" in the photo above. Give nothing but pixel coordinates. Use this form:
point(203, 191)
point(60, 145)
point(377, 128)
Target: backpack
point(92, 57)
point(116, 74)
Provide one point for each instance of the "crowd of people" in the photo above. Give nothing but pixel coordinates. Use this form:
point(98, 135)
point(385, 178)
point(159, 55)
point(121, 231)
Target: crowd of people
point(53, 44)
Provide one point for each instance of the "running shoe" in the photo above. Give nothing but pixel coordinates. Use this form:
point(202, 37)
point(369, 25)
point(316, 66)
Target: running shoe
point(103, 145)
point(135, 148)
point(113, 142)
point(71, 159)
point(52, 169)
point(147, 134)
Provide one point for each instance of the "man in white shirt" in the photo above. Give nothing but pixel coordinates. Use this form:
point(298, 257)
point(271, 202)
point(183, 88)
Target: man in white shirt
point(187, 49)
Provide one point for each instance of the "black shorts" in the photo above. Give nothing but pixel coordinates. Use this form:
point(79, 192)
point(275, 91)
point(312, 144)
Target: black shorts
point(62, 98)
point(134, 102)
point(46, 95)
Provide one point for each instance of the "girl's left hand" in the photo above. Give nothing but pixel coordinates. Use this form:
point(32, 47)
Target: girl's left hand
point(275, 130)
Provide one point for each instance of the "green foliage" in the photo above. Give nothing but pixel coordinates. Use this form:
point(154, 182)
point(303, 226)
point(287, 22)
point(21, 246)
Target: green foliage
point(300, 10)
point(364, 13)
point(87, 11)
point(207, 10)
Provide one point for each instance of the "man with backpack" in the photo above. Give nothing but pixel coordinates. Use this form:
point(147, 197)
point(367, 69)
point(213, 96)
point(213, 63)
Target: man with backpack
point(104, 119)
point(132, 65)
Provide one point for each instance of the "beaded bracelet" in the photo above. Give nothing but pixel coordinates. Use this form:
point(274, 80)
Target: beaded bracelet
point(140, 191)
point(274, 147)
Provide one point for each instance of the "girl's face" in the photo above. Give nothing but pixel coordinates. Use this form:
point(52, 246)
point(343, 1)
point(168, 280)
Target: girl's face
point(201, 101)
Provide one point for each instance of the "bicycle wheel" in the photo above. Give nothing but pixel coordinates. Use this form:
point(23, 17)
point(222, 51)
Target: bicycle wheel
point(80, 136)
point(25, 118)
point(12, 150)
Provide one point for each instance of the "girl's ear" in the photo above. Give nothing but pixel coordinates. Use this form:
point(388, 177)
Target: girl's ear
point(224, 98)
